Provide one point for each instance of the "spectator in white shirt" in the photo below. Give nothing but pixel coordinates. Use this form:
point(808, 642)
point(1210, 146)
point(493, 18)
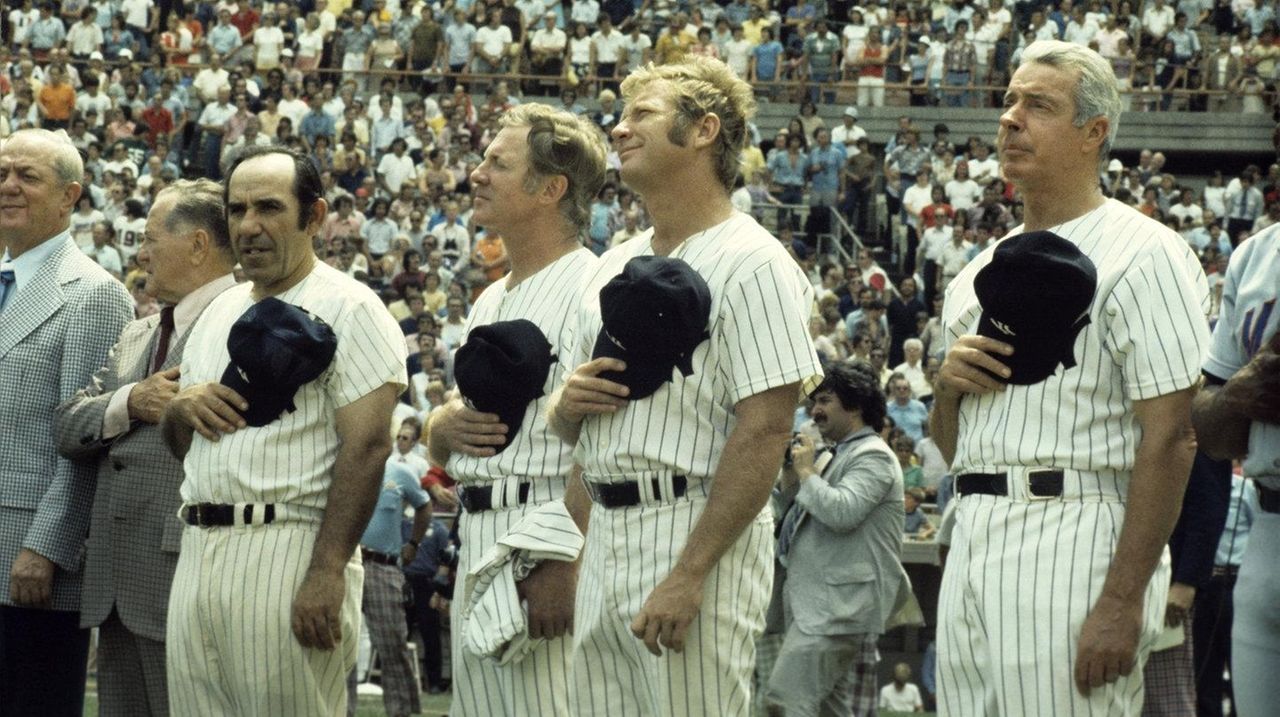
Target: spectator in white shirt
point(962, 192)
point(1157, 19)
point(901, 696)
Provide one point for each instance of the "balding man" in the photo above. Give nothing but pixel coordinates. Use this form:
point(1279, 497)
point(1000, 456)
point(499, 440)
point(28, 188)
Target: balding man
point(134, 531)
point(59, 314)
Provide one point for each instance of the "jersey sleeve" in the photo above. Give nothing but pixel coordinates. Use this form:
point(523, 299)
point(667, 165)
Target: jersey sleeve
point(371, 352)
point(1157, 328)
point(763, 331)
point(1227, 352)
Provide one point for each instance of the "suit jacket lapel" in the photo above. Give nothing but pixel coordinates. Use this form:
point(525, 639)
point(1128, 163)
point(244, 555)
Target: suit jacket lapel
point(39, 300)
point(141, 367)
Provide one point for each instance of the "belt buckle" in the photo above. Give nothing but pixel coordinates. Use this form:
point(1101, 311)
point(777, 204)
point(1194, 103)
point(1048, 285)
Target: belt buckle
point(1026, 485)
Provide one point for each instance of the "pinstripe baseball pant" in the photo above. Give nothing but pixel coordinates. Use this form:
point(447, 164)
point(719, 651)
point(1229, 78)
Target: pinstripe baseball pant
point(536, 685)
point(630, 550)
point(231, 646)
point(1020, 580)
point(389, 633)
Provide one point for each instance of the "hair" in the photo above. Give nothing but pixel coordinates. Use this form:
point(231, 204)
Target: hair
point(562, 144)
point(404, 260)
point(307, 188)
point(700, 86)
point(414, 425)
point(67, 164)
point(198, 204)
point(913, 342)
point(856, 385)
point(1096, 92)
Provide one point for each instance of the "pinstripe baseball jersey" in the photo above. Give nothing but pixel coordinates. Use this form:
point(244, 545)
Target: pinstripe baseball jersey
point(1146, 338)
point(547, 299)
point(1248, 321)
point(291, 459)
point(760, 302)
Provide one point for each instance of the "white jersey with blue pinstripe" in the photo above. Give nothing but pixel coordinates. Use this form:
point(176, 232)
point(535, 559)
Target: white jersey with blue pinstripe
point(548, 299)
point(1247, 322)
point(291, 459)
point(760, 302)
point(1146, 338)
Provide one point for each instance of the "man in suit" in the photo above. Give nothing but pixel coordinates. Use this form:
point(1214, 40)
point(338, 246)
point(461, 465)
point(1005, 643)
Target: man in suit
point(134, 531)
point(840, 542)
point(59, 314)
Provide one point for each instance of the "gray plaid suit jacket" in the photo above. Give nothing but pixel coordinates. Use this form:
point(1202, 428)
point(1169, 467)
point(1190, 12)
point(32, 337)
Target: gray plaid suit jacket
point(135, 531)
point(53, 335)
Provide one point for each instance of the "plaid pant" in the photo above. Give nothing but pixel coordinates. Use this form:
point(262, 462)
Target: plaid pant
point(825, 674)
point(1169, 680)
point(384, 611)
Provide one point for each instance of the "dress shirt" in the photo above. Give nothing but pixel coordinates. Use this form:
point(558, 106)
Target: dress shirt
point(28, 265)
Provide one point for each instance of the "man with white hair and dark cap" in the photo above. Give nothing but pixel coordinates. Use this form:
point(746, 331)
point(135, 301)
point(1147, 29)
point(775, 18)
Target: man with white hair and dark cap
point(1064, 407)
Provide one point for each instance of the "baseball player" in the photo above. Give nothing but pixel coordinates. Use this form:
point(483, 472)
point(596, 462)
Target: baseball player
point(1237, 415)
point(1068, 479)
point(288, 383)
point(534, 188)
point(680, 452)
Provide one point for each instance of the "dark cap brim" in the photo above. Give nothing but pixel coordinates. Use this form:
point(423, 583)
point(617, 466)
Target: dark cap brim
point(264, 406)
point(644, 378)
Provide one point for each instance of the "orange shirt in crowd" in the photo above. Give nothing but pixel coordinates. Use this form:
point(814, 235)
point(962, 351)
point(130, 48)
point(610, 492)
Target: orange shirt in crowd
point(57, 101)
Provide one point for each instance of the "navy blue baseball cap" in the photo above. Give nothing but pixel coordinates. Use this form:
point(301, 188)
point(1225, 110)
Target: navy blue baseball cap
point(1035, 296)
point(275, 349)
point(655, 313)
point(501, 368)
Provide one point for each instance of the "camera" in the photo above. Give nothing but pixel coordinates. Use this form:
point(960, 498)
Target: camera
point(786, 457)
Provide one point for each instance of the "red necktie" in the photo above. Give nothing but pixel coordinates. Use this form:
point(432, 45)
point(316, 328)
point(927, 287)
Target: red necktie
point(166, 332)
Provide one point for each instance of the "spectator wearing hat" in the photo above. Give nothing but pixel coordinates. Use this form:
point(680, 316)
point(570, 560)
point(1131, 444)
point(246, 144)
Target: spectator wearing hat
point(298, 514)
point(846, 134)
point(1070, 317)
point(128, 569)
point(533, 188)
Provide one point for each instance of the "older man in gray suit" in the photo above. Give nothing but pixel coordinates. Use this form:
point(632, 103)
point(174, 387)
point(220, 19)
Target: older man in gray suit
point(59, 314)
point(840, 544)
point(135, 531)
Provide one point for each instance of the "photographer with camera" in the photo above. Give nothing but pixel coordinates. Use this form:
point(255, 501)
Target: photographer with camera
point(839, 544)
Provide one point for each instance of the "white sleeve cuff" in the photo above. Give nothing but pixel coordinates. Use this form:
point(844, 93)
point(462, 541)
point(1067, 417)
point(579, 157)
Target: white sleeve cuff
point(116, 420)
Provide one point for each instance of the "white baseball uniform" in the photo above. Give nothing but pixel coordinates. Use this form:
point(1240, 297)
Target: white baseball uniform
point(1023, 574)
point(232, 650)
point(1248, 321)
point(760, 302)
point(537, 684)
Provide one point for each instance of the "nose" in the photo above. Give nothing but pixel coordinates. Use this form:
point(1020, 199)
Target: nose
point(477, 176)
point(1011, 118)
point(622, 130)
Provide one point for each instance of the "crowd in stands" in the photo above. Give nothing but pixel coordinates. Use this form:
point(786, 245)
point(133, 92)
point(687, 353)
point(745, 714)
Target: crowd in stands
point(386, 96)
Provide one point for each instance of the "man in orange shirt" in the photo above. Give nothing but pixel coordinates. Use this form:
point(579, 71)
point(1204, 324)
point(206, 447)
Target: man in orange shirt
point(56, 101)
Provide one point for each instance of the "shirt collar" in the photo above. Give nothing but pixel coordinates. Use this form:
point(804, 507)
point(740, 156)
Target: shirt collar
point(186, 311)
point(26, 267)
point(861, 433)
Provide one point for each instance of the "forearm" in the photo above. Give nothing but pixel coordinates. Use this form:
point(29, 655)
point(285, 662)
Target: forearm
point(356, 480)
point(1221, 431)
point(437, 452)
point(1159, 479)
point(741, 487)
point(566, 429)
point(576, 499)
point(421, 522)
point(944, 422)
point(177, 435)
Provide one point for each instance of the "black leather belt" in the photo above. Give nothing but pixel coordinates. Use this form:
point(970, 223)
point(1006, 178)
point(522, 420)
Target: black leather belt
point(1041, 484)
point(373, 556)
point(479, 498)
point(1268, 499)
point(213, 515)
point(625, 495)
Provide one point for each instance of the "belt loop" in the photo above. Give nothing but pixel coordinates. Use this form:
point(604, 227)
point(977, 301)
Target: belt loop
point(511, 492)
point(665, 485)
point(238, 515)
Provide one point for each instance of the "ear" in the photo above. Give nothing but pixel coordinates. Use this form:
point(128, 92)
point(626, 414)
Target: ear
point(319, 211)
point(706, 130)
point(71, 195)
point(201, 244)
point(554, 188)
point(1096, 131)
